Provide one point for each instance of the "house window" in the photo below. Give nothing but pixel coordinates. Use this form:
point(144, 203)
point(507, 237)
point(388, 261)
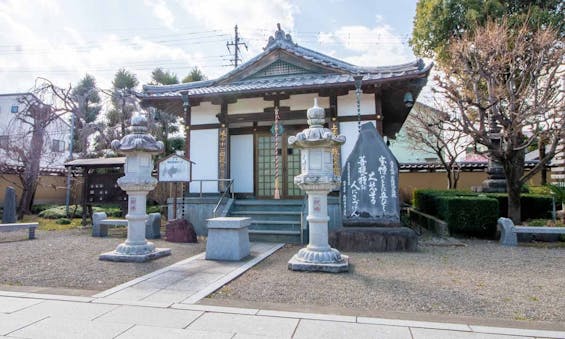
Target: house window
point(58, 146)
point(4, 141)
point(15, 109)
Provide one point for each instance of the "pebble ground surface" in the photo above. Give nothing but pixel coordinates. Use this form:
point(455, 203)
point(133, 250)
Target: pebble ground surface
point(481, 279)
point(69, 259)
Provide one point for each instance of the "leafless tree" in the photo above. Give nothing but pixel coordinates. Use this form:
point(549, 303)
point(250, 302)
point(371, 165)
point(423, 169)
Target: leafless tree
point(431, 130)
point(505, 85)
point(29, 148)
point(69, 100)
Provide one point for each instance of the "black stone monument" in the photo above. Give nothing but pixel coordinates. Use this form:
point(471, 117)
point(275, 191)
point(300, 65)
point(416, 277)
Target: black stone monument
point(369, 183)
point(370, 203)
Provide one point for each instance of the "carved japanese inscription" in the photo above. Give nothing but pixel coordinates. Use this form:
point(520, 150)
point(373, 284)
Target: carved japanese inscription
point(369, 182)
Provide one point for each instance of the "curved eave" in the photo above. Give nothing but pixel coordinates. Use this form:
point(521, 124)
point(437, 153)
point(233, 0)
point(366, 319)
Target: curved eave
point(162, 95)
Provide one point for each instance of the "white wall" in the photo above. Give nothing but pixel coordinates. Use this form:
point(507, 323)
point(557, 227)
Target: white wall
point(305, 101)
point(250, 105)
point(204, 152)
point(241, 162)
point(205, 113)
point(351, 132)
point(347, 104)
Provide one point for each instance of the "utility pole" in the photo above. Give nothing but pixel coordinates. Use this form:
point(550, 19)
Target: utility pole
point(235, 43)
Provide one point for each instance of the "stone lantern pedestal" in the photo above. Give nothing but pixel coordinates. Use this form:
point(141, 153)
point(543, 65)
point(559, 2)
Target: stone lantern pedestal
point(317, 179)
point(137, 182)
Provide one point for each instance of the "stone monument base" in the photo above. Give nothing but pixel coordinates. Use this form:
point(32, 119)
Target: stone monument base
point(121, 257)
point(374, 239)
point(296, 264)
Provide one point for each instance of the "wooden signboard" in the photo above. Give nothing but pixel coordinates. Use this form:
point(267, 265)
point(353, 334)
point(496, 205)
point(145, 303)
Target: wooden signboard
point(175, 168)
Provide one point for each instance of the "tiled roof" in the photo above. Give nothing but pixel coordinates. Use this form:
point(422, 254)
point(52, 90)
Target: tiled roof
point(464, 165)
point(276, 83)
point(338, 72)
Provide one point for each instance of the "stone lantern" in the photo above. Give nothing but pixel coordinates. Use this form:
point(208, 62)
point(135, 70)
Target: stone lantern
point(138, 147)
point(317, 179)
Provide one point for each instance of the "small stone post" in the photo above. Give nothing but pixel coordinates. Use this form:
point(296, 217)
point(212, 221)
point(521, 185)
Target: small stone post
point(9, 212)
point(138, 147)
point(317, 178)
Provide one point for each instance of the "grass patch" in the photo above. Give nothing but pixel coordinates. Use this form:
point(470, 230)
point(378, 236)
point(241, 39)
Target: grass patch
point(51, 224)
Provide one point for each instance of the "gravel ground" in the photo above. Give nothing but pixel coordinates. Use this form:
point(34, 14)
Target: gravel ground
point(69, 259)
point(482, 279)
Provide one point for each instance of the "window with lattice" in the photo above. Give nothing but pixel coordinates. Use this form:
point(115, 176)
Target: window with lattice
point(279, 68)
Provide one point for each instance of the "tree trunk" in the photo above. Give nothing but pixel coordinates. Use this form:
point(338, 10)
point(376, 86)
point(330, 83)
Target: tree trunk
point(449, 180)
point(514, 168)
point(30, 175)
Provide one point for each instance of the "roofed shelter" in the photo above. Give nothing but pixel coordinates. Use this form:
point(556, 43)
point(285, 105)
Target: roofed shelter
point(230, 120)
point(100, 188)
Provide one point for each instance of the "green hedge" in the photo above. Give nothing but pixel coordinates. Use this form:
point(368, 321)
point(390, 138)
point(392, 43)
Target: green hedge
point(469, 215)
point(437, 203)
point(532, 206)
point(425, 200)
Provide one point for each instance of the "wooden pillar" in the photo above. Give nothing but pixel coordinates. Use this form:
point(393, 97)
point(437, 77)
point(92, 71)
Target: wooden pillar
point(379, 111)
point(223, 146)
point(187, 124)
point(334, 127)
point(84, 194)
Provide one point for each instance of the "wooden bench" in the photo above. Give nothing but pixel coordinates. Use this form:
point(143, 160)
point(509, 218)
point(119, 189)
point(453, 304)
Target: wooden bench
point(31, 226)
point(100, 223)
point(508, 231)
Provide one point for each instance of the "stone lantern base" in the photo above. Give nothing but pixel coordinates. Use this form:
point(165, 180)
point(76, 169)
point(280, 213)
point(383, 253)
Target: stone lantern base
point(135, 253)
point(325, 261)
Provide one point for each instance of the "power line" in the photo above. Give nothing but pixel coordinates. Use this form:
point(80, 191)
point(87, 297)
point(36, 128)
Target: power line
point(235, 43)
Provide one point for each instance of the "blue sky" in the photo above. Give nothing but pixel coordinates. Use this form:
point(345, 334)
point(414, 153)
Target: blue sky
point(63, 39)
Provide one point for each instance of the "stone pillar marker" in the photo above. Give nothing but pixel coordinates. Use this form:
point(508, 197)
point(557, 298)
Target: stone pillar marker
point(9, 214)
point(317, 179)
point(138, 147)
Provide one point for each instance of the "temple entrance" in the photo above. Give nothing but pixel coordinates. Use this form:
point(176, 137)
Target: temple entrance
point(265, 168)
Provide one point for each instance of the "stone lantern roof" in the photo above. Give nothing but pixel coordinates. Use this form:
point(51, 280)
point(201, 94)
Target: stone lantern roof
point(138, 140)
point(316, 135)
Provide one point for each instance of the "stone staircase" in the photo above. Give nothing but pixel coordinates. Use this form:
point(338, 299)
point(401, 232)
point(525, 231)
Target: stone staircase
point(271, 220)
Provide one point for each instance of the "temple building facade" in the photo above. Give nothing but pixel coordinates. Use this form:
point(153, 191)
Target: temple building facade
point(230, 121)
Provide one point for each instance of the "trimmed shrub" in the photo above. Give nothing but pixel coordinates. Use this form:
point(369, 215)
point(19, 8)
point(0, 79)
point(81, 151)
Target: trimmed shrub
point(59, 212)
point(154, 209)
point(425, 200)
point(35, 209)
point(533, 206)
point(469, 215)
point(63, 221)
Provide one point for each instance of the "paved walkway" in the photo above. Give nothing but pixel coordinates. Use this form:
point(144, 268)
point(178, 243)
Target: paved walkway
point(162, 305)
point(186, 281)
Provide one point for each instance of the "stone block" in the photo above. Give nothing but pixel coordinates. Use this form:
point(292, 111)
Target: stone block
point(374, 239)
point(180, 230)
point(228, 238)
point(99, 230)
point(153, 226)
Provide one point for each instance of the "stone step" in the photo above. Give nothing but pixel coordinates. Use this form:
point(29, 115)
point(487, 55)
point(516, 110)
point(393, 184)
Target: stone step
point(280, 232)
point(263, 212)
point(274, 222)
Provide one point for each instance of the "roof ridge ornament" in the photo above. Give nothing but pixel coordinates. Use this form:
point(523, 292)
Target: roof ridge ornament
point(279, 36)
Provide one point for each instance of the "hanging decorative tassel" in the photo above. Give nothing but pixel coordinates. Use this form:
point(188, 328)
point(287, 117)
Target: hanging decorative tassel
point(277, 192)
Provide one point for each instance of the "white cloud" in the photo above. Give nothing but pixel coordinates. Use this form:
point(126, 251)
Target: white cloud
point(256, 20)
point(370, 46)
point(31, 47)
point(161, 11)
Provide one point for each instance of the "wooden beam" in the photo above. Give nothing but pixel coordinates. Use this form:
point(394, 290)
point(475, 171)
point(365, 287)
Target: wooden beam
point(274, 96)
point(349, 118)
point(268, 116)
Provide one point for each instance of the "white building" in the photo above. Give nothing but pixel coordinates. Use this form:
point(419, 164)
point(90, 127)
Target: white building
point(230, 120)
point(15, 135)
